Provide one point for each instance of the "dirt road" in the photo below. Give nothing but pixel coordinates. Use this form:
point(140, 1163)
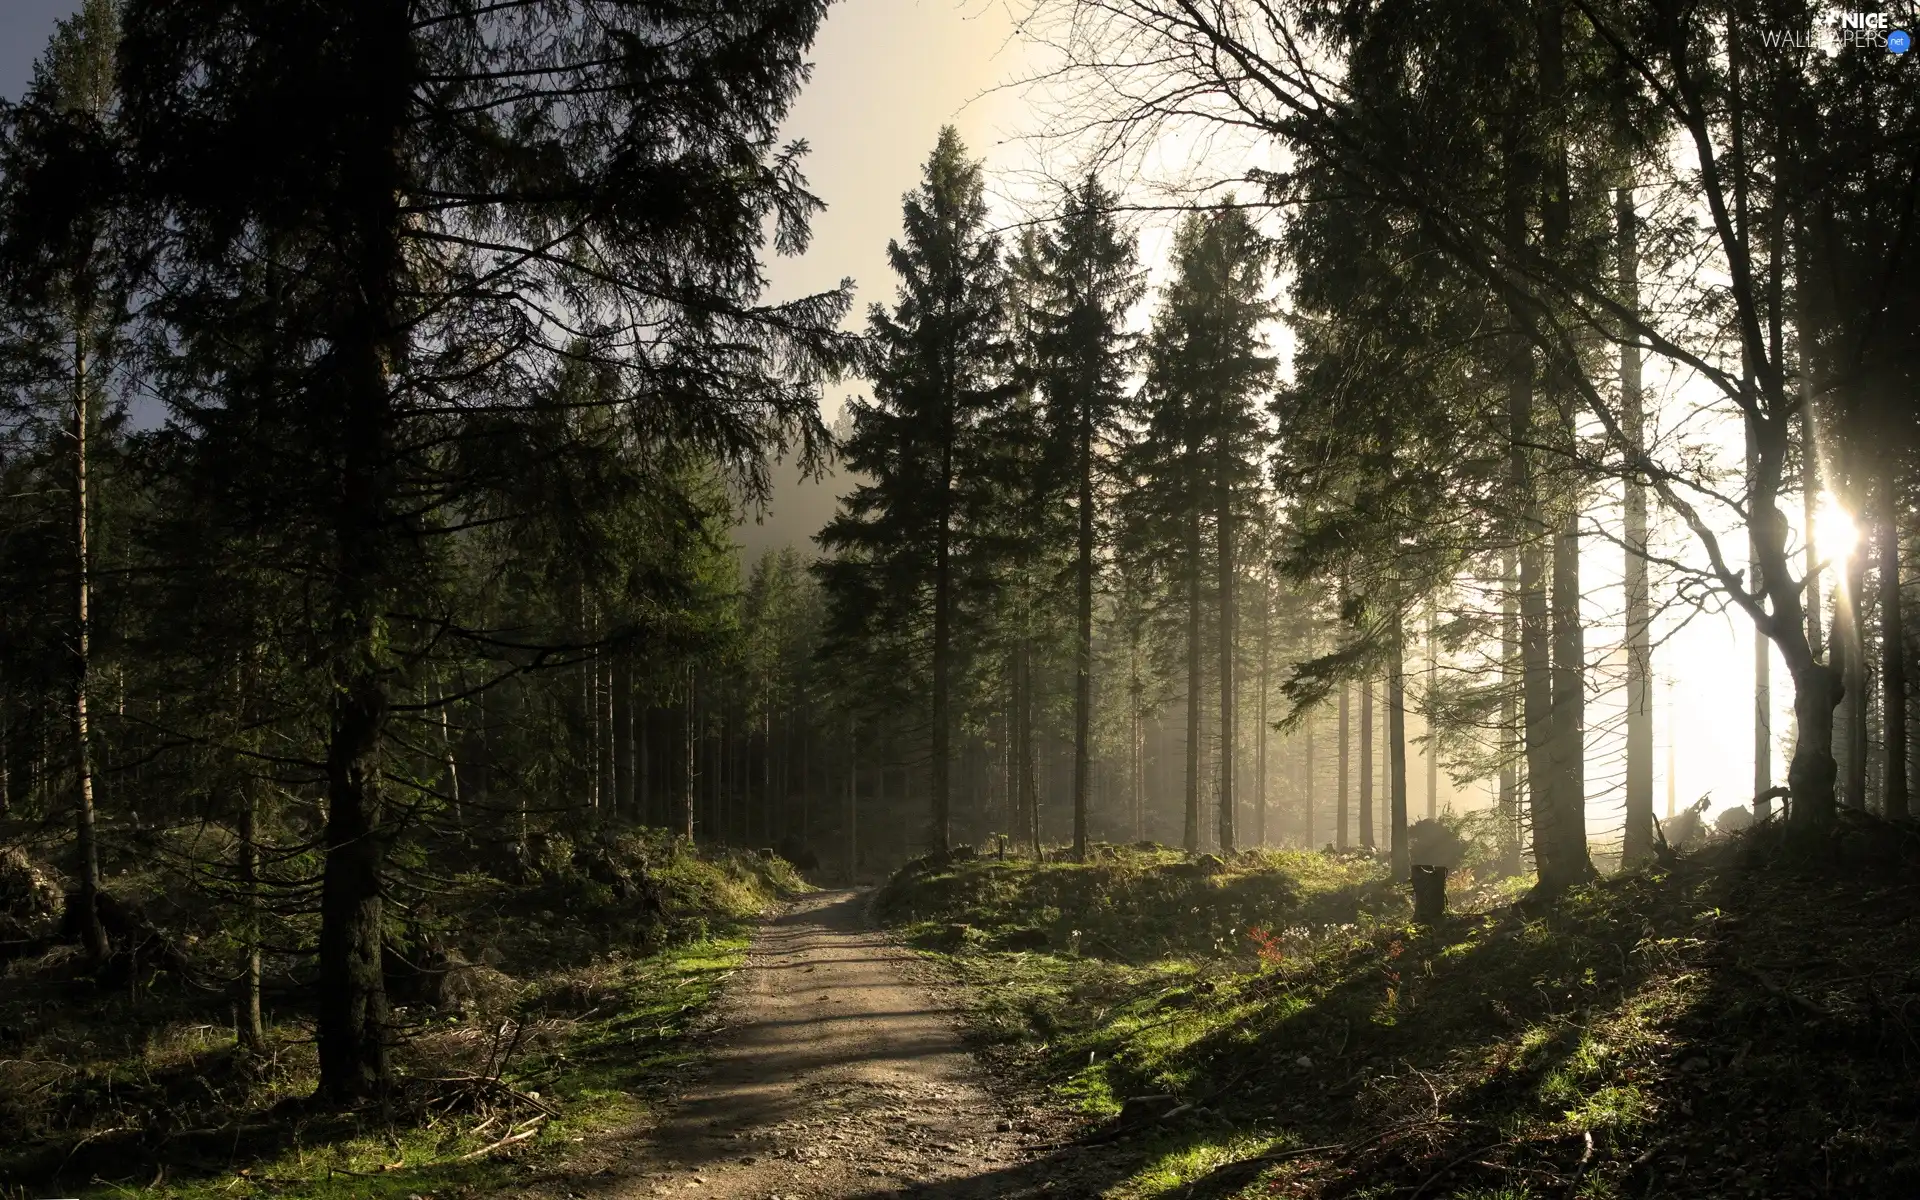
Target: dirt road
point(835, 1074)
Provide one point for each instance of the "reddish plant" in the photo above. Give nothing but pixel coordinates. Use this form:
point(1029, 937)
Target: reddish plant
point(1267, 946)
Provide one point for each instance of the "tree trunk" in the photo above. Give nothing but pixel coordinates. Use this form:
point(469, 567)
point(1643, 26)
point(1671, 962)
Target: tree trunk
point(1028, 751)
point(1366, 765)
point(1341, 835)
point(941, 780)
point(1816, 689)
point(252, 1030)
point(1260, 716)
point(1397, 754)
point(1433, 737)
point(1306, 800)
point(1083, 639)
point(1561, 830)
point(1136, 753)
point(1893, 646)
point(448, 763)
point(1191, 834)
point(1762, 666)
point(1510, 739)
point(643, 765)
point(623, 764)
point(1637, 841)
point(1536, 658)
point(93, 934)
point(682, 821)
point(352, 1027)
point(1850, 642)
point(1223, 525)
point(853, 802)
point(1559, 811)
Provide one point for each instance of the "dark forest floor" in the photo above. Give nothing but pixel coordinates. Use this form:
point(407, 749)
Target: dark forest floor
point(1740, 1021)
point(567, 992)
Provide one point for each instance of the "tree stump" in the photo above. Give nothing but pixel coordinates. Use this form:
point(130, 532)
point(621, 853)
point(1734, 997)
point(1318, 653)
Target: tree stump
point(1429, 894)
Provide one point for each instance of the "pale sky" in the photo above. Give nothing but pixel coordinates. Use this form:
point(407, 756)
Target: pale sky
point(887, 74)
point(25, 26)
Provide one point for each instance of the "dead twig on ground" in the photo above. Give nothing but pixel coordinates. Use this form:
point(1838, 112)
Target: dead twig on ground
point(520, 1133)
point(1443, 1171)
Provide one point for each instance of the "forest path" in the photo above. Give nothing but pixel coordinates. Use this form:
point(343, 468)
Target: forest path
point(835, 1073)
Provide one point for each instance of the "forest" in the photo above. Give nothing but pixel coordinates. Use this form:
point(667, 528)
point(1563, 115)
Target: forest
point(1250, 665)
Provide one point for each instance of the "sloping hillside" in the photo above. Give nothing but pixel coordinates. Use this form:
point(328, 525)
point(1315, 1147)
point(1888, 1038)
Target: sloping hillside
point(1737, 1022)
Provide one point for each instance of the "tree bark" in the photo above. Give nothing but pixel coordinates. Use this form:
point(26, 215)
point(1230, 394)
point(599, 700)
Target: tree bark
point(252, 1029)
point(1850, 645)
point(1136, 752)
point(1637, 841)
point(1366, 765)
point(1893, 645)
point(1340, 834)
point(941, 778)
point(1560, 835)
point(1083, 639)
point(1508, 798)
point(682, 820)
point(1224, 530)
point(1397, 754)
point(1191, 838)
point(1306, 800)
point(1762, 670)
point(93, 935)
point(1260, 716)
point(1536, 654)
point(853, 801)
point(623, 757)
point(449, 765)
point(351, 1030)
point(1433, 737)
point(1028, 752)
point(352, 1026)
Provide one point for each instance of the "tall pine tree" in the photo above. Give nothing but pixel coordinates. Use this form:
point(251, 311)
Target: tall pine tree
point(902, 540)
point(1199, 413)
point(427, 209)
point(1086, 283)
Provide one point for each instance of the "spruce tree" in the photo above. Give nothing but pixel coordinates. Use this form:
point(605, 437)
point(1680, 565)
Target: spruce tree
point(1197, 453)
point(61, 327)
point(427, 209)
point(1086, 282)
point(905, 540)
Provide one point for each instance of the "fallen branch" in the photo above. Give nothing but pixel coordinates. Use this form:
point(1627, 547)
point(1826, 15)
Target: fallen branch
point(1791, 997)
point(1443, 1171)
point(495, 1084)
point(532, 1127)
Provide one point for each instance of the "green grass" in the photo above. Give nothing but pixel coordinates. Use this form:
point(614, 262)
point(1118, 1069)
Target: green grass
point(1620, 1039)
point(604, 1074)
point(583, 1009)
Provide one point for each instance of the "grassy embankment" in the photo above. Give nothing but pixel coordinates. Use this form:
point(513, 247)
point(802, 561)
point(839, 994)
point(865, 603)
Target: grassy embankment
point(568, 1011)
point(1736, 1022)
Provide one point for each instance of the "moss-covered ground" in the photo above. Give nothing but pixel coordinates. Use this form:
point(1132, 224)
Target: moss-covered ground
point(1736, 1022)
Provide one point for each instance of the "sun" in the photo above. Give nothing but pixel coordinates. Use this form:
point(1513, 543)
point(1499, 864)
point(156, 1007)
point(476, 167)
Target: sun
point(1835, 534)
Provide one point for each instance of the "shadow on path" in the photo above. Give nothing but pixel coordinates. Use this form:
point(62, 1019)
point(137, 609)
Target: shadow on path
point(832, 1073)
